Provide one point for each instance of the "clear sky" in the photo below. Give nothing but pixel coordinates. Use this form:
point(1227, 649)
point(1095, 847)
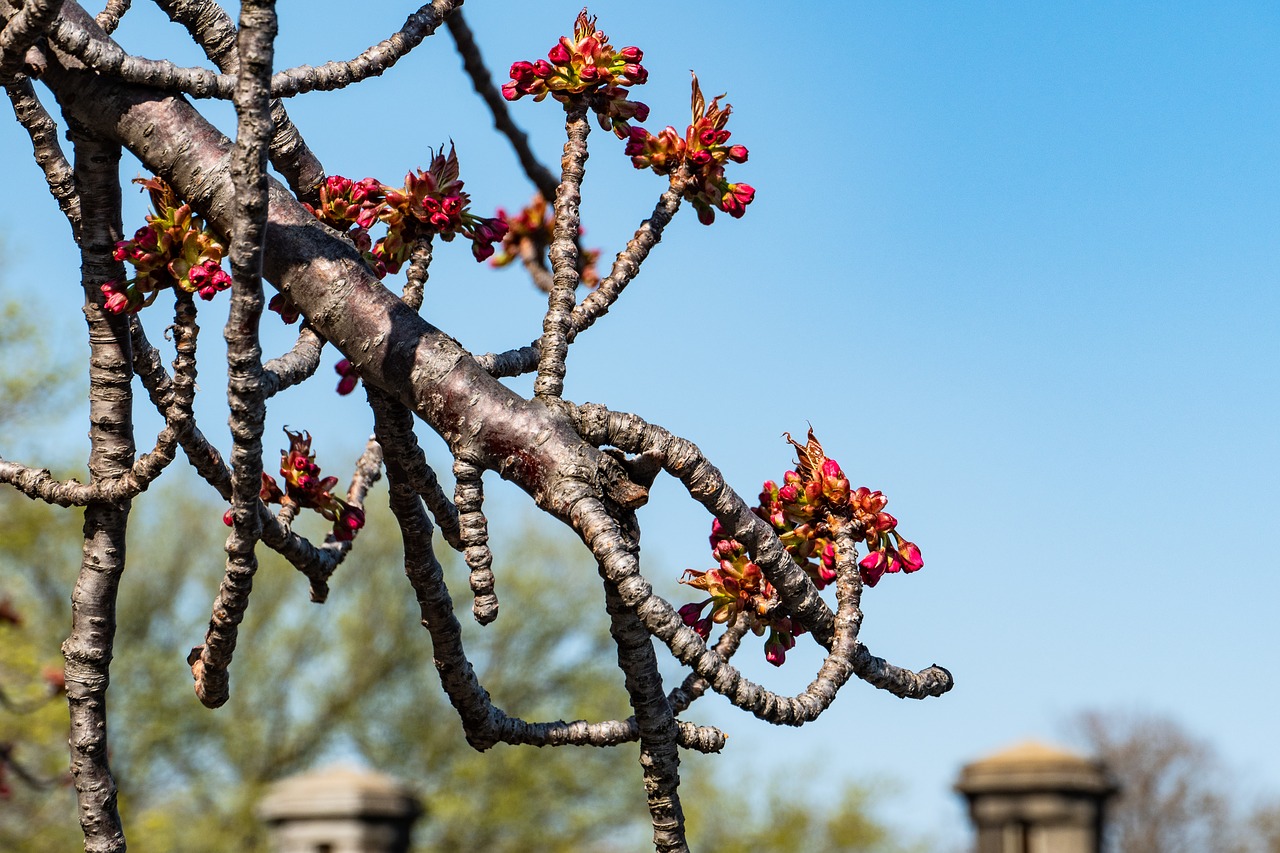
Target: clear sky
point(1016, 263)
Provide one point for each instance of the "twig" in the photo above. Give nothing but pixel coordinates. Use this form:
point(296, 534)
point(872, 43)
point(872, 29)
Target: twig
point(476, 69)
point(43, 131)
point(468, 497)
point(107, 58)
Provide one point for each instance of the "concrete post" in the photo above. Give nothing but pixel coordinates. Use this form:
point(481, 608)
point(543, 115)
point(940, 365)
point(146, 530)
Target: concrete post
point(339, 810)
point(1034, 798)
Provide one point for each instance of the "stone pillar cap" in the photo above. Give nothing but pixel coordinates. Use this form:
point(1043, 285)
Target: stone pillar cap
point(1035, 766)
point(339, 792)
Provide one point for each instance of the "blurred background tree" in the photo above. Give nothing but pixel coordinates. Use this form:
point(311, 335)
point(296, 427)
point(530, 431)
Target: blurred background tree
point(1177, 796)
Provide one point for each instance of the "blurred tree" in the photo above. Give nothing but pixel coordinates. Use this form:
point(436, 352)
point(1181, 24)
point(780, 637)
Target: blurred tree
point(1176, 794)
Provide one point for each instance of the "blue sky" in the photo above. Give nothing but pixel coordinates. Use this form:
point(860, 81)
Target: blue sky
point(1016, 263)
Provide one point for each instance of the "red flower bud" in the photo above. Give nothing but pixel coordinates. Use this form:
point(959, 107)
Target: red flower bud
point(631, 54)
point(911, 559)
point(559, 54)
point(691, 613)
point(872, 567)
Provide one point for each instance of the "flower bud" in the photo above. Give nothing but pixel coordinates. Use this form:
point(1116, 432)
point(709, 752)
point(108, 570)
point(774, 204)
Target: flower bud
point(559, 55)
point(911, 559)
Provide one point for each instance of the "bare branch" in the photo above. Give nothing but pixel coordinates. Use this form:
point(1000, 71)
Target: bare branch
point(213, 30)
point(30, 22)
point(468, 497)
point(105, 57)
point(88, 649)
point(109, 18)
point(476, 69)
point(244, 352)
point(625, 268)
point(43, 131)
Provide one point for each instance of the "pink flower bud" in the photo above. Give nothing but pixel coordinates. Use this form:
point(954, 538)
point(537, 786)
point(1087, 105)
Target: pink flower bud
point(701, 157)
point(631, 54)
point(872, 568)
point(691, 613)
point(911, 559)
point(589, 73)
point(738, 153)
point(481, 250)
point(511, 91)
point(885, 522)
point(559, 54)
point(521, 70)
point(229, 518)
point(789, 493)
point(642, 111)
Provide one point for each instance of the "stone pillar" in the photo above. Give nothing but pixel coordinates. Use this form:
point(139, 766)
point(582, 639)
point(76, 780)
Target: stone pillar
point(339, 810)
point(1033, 798)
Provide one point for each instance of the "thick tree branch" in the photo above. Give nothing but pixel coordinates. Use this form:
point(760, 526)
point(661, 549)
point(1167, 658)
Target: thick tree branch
point(214, 31)
point(22, 31)
point(88, 650)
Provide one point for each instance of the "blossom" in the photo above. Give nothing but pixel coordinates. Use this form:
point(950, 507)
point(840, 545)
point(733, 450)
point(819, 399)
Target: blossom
point(432, 202)
point(173, 250)
point(703, 151)
point(587, 68)
point(344, 202)
point(529, 234)
point(814, 502)
point(306, 489)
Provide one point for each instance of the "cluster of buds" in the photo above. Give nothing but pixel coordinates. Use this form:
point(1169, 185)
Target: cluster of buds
point(736, 586)
point(703, 151)
point(805, 511)
point(174, 249)
point(345, 203)
point(431, 202)
point(585, 68)
point(304, 488)
point(529, 235)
